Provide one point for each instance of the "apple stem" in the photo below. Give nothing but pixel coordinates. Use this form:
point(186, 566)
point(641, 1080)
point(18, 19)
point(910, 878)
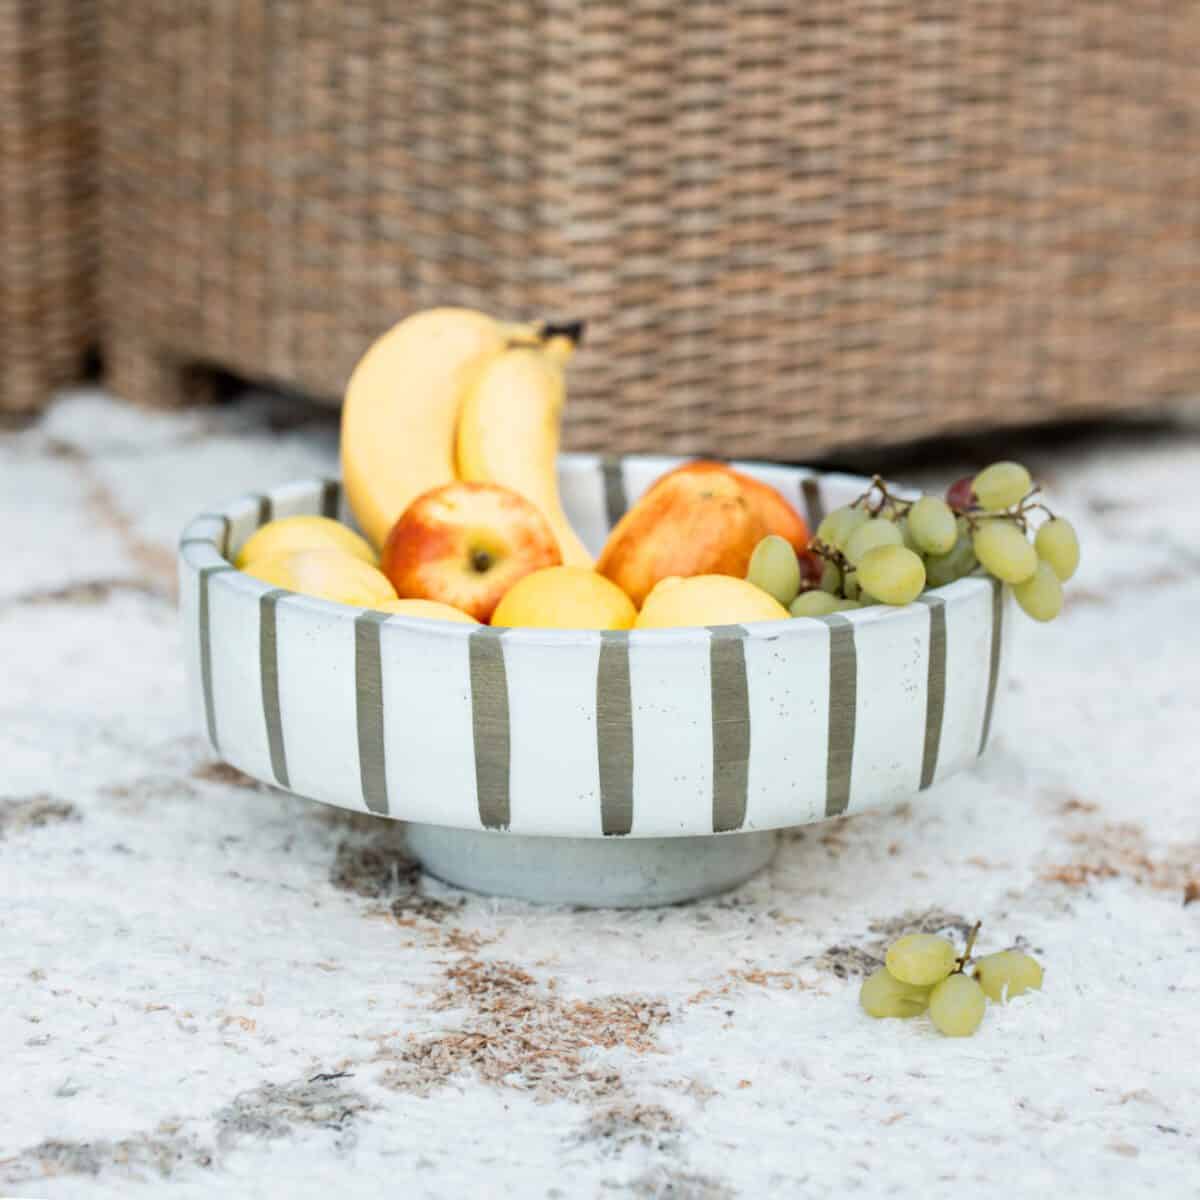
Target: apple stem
point(481, 561)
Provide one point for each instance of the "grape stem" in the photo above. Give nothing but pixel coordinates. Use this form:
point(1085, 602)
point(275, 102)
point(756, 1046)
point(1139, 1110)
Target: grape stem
point(830, 554)
point(1018, 513)
point(877, 498)
point(961, 962)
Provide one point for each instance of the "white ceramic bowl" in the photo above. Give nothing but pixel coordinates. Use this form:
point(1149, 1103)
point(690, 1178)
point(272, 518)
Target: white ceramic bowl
point(594, 740)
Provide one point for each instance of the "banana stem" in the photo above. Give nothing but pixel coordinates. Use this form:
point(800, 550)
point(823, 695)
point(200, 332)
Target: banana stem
point(544, 333)
point(573, 331)
point(557, 339)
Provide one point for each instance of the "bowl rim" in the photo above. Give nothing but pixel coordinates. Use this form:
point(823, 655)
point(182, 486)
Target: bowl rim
point(203, 546)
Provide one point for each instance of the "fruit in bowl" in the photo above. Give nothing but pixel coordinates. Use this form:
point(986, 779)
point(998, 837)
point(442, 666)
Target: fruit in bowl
point(707, 600)
point(430, 610)
point(452, 393)
point(328, 574)
point(703, 518)
point(565, 597)
point(508, 427)
point(290, 534)
point(400, 411)
point(466, 544)
point(450, 434)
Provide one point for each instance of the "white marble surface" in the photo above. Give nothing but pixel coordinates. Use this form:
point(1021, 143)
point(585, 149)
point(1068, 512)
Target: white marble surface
point(187, 958)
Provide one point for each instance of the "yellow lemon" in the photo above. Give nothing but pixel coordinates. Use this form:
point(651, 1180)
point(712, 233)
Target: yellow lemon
point(707, 600)
point(328, 574)
point(290, 534)
point(565, 598)
point(434, 610)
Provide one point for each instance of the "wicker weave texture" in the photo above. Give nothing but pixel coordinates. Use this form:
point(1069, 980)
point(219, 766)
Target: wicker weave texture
point(48, 208)
point(790, 226)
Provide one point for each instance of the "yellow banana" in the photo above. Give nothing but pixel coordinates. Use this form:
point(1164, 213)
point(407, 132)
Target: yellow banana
point(508, 429)
point(402, 405)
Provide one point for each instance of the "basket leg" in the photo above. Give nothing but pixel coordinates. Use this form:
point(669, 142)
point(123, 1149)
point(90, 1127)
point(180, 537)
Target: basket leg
point(141, 373)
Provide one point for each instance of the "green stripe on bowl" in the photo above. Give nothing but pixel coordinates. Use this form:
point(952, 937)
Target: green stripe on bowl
point(268, 669)
point(489, 722)
point(814, 505)
point(614, 733)
point(615, 500)
point(730, 727)
point(368, 689)
point(994, 665)
point(203, 620)
point(935, 695)
point(331, 494)
point(221, 543)
point(843, 713)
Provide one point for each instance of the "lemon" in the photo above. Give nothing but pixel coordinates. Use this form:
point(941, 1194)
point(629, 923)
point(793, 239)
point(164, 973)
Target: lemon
point(434, 610)
point(290, 534)
point(707, 600)
point(328, 574)
point(565, 598)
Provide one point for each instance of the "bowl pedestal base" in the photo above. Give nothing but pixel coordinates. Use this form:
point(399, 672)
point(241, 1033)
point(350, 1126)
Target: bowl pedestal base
point(615, 872)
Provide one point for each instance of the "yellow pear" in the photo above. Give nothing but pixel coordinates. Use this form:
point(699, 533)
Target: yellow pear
point(707, 600)
point(565, 598)
point(327, 574)
point(432, 610)
point(289, 534)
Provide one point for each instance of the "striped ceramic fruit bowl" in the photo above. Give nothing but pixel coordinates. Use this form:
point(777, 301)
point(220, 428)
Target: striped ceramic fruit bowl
point(581, 766)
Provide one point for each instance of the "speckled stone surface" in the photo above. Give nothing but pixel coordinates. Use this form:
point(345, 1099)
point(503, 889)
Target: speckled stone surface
point(215, 989)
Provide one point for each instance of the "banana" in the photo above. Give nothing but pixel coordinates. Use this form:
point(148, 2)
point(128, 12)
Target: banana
point(508, 428)
point(402, 405)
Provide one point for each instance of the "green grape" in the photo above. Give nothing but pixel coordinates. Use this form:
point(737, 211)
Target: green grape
point(775, 568)
point(933, 526)
point(941, 569)
point(840, 524)
point(921, 958)
point(956, 1006)
point(1041, 596)
point(906, 535)
point(831, 579)
point(1001, 485)
point(1057, 544)
point(876, 532)
point(814, 604)
point(820, 604)
point(1007, 974)
point(892, 574)
point(850, 588)
point(883, 995)
point(1005, 551)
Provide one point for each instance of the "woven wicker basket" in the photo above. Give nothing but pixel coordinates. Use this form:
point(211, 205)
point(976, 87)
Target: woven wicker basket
point(48, 217)
point(790, 226)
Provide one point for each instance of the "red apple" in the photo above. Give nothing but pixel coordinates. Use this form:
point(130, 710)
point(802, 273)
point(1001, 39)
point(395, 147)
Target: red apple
point(466, 544)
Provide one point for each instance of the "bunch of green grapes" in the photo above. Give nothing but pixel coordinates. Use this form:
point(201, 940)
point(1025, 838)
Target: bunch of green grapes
point(924, 972)
point(883, 549)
